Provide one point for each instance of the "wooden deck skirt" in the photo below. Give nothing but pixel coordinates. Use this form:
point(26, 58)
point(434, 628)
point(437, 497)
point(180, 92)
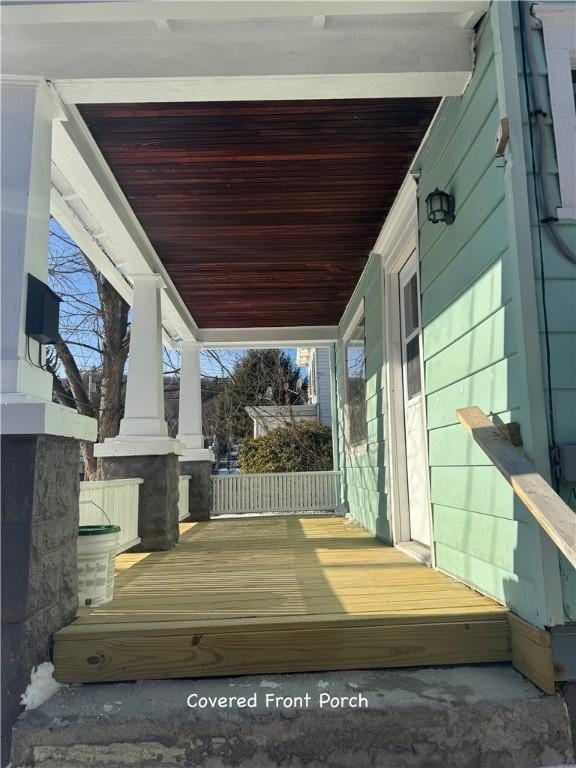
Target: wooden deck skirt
point(277, 594)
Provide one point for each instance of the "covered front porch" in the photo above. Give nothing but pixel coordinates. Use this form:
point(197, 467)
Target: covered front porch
point(285, 206)
point(277, 594)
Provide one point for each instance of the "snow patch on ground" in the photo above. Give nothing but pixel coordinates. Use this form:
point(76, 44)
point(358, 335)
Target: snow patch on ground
point(269, 684)
point(41, 686)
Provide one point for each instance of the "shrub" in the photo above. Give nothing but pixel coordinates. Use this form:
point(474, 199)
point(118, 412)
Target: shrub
point(301, 447)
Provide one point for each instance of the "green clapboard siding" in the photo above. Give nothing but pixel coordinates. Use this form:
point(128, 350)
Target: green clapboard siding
point(474, 354)
point(560, 293)
point(364, 473)
point(482, 534)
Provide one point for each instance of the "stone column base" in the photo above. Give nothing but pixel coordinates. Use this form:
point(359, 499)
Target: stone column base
point(200, 488)
point(158, 496)
point(40, 491)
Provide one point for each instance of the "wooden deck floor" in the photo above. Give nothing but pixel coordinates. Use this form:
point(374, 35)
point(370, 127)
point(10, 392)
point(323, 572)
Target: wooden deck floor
point(277, 594)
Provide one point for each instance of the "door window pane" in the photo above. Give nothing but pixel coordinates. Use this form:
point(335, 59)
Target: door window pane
point(411, 319)
point(356, 386)
point(413, 383)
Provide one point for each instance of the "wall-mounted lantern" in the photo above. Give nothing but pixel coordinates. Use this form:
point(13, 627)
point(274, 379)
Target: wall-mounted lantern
point(440, 207)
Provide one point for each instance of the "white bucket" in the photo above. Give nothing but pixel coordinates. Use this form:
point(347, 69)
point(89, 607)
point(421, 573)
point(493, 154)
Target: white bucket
point(96, 563)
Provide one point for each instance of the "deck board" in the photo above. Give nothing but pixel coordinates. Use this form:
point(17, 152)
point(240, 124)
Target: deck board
point(277, 594)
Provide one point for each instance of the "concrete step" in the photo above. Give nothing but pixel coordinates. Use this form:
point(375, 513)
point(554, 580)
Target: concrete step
point(461, 717)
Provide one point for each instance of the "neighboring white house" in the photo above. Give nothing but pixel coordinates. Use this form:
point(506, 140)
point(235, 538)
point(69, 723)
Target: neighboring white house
point(267, 417)
point(317, 362)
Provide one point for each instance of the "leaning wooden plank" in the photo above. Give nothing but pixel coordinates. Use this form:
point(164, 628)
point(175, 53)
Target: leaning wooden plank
point(550, 511)
point(532, 653)
point(295, 650)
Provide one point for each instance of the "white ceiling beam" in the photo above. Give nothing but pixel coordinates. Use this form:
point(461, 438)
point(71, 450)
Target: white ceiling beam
point(369, 62)
point(162, 25)
point(72, 223)
point(85, 240)
point(295, 336)
point(79, 161)
point(83, 12)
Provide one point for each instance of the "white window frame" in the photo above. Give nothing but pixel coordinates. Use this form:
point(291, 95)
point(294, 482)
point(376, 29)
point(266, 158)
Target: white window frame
point(356, 448)
point(559, 28)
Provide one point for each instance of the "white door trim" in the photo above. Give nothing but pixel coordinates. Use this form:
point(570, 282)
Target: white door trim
point(419, 516)
point(397, 242)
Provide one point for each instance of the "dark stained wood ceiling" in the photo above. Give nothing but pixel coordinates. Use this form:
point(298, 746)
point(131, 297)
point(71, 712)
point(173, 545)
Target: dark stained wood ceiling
point(264, 213)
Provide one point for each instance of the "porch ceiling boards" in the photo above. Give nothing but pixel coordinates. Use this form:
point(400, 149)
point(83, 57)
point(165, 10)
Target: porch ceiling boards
point(277, 594)
point(263, 213)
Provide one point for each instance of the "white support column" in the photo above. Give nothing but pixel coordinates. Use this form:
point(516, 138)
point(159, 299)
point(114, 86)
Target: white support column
point(144, 405)
point(334, 405)
point(143, 430)
point(28, 110)
point(190, 405)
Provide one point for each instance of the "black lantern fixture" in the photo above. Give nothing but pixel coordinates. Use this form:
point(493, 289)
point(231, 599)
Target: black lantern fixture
point(440, 207)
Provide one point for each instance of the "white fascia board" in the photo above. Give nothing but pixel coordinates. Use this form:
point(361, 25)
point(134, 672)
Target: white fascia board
point(562, 15)
point(15, 12)
point(263, 88)
point(79, 161)
point(399, 227)
point(401, 223)
point(559, 29)
point(296, 336)
point(354, 320)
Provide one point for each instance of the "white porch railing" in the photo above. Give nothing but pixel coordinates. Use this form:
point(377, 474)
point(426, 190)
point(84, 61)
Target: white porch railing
point(183, 491)
point(119, 500)
point(275, 492)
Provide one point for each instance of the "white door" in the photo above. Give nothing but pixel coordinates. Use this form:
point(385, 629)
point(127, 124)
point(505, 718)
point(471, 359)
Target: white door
point(414, 421)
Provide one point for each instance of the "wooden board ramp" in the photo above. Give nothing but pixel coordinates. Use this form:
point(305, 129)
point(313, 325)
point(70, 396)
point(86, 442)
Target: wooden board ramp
point(548, 509)
point(277, 594)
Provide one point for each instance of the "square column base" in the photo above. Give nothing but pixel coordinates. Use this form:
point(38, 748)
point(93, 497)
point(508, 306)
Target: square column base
point(158, 496)
point(199, 488)
point(134, 445)
point(40, 510)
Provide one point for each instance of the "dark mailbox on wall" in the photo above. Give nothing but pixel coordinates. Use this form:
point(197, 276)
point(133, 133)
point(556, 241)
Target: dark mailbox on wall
point(42, 312)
